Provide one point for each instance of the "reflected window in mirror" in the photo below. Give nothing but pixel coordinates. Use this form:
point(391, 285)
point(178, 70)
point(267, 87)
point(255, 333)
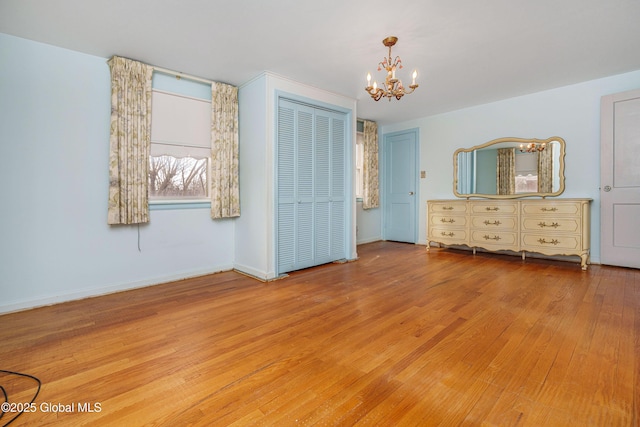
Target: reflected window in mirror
point(526, 172)
point(503, 169)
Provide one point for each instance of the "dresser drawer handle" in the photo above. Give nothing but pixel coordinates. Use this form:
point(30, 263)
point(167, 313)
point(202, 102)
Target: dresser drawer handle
point(548, 209)
point(449, 234)
point(544, 224)
point(487, 237)
point(450, 220)
point(496, 222)
point(552, 242)
point(492, 209)
point(447, 208)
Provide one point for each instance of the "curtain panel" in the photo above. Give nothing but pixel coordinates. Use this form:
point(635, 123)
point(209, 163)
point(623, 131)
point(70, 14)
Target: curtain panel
point(129, 141)
point(506, 171)
point(545, 169)
point(370, 181)
point(225, 188)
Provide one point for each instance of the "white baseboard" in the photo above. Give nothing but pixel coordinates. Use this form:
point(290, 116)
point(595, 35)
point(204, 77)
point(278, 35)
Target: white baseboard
point(263, 276)
point(369, 240)
point(105, 290)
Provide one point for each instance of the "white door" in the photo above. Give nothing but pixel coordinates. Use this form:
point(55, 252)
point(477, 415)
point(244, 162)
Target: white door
point(620, 179)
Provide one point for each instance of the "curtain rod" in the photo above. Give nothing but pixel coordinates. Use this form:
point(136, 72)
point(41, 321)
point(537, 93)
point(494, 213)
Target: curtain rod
point(181, 75)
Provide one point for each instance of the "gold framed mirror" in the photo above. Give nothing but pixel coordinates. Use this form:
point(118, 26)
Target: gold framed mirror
point(509, 168)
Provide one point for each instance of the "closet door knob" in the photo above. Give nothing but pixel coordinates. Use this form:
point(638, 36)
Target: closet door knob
point(411, 193)
point(607, 188)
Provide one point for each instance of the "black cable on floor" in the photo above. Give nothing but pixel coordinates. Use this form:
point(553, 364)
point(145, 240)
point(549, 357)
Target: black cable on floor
point(6, 398)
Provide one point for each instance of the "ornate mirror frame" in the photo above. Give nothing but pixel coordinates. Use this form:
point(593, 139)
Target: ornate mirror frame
point(518, 143)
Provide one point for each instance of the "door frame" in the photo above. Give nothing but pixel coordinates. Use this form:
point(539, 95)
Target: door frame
point(384, 177)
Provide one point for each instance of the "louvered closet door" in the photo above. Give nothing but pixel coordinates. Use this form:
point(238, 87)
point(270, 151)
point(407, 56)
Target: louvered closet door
point(337, 199)
point(286, 181)
point(304, 224)
point(311, 186)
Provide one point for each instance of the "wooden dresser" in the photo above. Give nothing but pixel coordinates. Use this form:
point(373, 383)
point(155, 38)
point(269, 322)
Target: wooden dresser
point(549, 227)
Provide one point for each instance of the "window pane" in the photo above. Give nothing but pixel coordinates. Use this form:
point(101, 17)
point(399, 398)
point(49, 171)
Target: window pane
point(178, 177)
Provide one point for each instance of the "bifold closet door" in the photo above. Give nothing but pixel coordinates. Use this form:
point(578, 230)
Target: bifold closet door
point(311, 186)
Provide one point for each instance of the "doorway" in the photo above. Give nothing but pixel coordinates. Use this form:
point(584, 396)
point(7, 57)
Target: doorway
point(400, 183)
point(311, 185)
point(620, 179)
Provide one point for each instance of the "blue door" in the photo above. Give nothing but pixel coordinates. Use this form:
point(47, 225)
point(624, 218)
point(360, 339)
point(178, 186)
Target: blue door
point(311, 186)
point(400, 186)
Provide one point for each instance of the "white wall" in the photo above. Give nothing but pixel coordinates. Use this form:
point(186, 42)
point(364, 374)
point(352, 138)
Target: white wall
point(571, 112)
point(368, 224)
point(253, 231)
point(55, 243)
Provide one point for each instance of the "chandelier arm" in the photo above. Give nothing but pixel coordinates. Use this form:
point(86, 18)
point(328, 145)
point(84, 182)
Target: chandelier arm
point(412, 88)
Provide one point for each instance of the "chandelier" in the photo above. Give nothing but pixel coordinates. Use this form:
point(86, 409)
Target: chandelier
point(532, 147)
point(393, 86)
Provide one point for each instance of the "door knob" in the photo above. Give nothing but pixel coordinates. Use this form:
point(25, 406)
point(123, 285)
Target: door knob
point(607, 188)
point(411, 193)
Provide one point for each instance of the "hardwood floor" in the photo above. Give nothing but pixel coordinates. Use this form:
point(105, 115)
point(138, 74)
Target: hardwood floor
point(399, 337)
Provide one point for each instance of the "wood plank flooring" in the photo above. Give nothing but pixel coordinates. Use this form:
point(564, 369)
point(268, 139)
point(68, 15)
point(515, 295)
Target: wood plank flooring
point(401, 337)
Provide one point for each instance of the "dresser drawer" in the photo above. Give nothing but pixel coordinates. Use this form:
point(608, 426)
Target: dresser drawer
point(448, 235)
point(551, 225)
point(488, 222)
point(444, 220)
point(448, 207)
point(494, 208)
point(548, 242)
point(503, 239)
point(551, 208)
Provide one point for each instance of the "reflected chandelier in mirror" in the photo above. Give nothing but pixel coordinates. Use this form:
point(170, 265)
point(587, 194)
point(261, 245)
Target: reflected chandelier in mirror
point(508, 168)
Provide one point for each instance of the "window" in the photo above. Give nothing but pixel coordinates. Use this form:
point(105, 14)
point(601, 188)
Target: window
point(359, 160)
point(180, 158)
point(526, 166)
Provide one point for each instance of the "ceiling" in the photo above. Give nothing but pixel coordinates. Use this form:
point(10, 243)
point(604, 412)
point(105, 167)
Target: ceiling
point(467, 52)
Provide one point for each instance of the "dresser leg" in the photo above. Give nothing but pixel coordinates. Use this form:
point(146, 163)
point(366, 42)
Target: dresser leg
point(524, 255)
point(428, 245)
point(584, 259)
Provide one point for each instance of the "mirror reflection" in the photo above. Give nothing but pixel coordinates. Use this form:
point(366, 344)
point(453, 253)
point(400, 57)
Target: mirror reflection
point(510, 168)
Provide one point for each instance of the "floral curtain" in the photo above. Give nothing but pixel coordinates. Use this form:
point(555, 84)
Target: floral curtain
point(225, 188)
point(370, 186)
point(545, 169)
point(506, 171)
point(129, 141)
